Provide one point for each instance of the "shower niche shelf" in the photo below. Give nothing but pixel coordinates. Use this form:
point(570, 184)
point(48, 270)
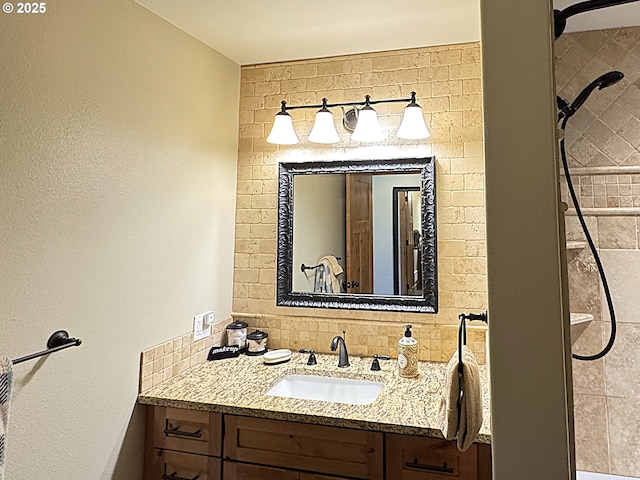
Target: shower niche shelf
point(578, 318)
point(575, 245)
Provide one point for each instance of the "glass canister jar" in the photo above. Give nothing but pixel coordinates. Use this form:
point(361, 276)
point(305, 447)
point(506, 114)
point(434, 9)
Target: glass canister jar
point(237, 334)
point(257, 342)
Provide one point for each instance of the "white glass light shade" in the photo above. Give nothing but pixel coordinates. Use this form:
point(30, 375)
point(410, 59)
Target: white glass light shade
point(413, 126)
point(324, 130)
point(368, 129)
point(282, 132)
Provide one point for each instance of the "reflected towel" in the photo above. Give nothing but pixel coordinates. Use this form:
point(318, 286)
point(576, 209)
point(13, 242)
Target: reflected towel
point(460, 414)
point(326, 274)
point(336, 269)
point(319, 280)
point(6, 381)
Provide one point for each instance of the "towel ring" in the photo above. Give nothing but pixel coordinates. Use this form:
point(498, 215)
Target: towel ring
point(462, 333)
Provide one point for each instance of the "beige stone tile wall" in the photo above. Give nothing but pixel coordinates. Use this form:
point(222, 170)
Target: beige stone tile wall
point(603, 142)
point(603, 138)
point(164, 361)
point(448, 86)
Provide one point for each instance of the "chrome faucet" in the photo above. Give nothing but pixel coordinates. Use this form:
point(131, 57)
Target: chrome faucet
point(343, 356)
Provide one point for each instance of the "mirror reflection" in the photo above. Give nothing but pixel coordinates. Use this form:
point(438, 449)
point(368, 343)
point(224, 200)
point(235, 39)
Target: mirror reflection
point(354, 233)
point(357, 234)
point(407, 253)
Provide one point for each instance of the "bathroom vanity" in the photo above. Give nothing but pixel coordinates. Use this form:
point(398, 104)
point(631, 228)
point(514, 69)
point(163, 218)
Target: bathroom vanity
point(215, 421)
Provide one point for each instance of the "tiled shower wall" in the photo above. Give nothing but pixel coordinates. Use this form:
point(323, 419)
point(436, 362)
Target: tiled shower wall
point(448, 86)
point(603, 144)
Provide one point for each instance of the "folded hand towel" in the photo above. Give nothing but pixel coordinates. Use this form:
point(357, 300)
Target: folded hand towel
point(460, 414)
point(6, 380)
point(336, 269)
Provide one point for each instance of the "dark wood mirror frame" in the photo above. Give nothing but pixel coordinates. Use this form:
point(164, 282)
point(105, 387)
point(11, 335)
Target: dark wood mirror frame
point(427, 303)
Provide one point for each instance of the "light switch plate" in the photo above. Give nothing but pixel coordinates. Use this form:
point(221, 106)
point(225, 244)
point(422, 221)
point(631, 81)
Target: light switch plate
point(209, 318)
point(200, 329)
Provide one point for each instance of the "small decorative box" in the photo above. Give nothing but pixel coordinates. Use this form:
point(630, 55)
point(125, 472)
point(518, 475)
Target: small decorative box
point(228, 351)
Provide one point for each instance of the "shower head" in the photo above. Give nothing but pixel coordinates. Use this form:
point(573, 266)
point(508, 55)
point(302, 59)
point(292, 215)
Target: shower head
point(603, 81)
point(560, 17)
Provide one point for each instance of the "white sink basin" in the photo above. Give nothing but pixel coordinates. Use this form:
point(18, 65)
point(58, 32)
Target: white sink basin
point(328, 389)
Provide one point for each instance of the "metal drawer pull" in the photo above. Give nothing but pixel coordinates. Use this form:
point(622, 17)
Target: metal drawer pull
point(432, 468)
point(174, 477)
point(175, 431)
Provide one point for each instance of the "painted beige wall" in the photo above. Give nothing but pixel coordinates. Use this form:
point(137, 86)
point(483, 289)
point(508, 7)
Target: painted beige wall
point(528, 354)
point(117, 176)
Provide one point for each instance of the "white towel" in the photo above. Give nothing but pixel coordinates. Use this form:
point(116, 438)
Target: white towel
point(6, 381)
point(460, 414)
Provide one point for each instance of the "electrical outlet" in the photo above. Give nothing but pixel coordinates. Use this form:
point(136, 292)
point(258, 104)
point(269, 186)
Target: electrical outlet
point(209, 318)
point(200, 329)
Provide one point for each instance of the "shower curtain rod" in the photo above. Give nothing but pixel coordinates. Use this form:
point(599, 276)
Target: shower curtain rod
point(560, 17)
point(57, 341)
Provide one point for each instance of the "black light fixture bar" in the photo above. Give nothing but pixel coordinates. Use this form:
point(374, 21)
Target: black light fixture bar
point(367, 101)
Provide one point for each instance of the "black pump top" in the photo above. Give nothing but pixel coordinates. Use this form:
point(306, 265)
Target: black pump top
point(407, 332)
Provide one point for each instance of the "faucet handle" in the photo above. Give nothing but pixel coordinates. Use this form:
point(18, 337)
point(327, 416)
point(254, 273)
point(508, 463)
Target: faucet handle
point(375, 365)
point(312, 356)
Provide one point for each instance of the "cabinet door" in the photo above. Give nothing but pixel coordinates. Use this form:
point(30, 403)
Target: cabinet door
point(245, 471)
point(190, 431)
point(313, 448)
point(168, 465)
point(423, 458)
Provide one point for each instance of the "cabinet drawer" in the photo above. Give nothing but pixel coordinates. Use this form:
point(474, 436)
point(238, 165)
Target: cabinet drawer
point(168, 465)
point(245, 471)
point(312, 448)
point(422, 458)
point(190, 431)
point(317, 476)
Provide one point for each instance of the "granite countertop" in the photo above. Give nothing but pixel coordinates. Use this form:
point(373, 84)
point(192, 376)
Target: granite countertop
point(238, 386)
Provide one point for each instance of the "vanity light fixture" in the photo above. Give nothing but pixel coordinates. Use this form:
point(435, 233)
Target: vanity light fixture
point(324, 130)
point(413, 126)
point(367, 129)
point(282, 132)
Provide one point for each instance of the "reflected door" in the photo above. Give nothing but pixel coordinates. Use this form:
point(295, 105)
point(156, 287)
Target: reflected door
point(407, 265)
point(359, 230)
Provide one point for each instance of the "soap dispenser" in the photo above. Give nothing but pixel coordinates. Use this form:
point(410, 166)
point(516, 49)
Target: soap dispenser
point(408, 354)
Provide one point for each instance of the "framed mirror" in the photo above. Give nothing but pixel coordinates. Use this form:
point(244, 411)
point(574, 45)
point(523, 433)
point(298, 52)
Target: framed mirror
point(358, 235)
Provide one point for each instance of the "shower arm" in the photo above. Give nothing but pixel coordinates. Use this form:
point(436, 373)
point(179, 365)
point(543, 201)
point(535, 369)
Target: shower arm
point(560, 16)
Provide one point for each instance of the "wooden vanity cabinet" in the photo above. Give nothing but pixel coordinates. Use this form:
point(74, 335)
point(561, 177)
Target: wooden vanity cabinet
point(182, 444)
point(186, 444)
point(424, 458)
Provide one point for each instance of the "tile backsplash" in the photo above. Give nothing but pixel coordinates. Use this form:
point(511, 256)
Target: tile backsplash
point(435, 342)
point(164, 361)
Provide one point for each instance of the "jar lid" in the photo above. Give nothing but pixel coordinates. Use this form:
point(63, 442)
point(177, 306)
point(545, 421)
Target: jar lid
point(237, 325)
point(257, 335)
